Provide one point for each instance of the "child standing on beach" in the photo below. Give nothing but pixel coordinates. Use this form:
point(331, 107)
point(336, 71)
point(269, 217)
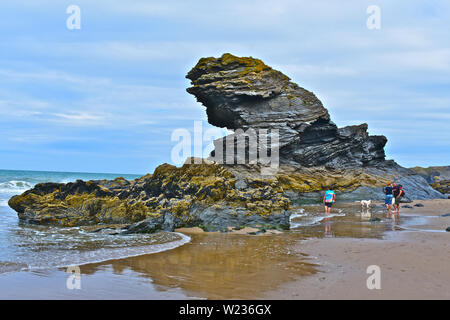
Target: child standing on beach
point(388, 197)
point(328, 200)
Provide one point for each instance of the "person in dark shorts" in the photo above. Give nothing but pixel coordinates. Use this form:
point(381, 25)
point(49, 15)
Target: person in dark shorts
point(388, 196)
point(328, 200)
point(398, 193)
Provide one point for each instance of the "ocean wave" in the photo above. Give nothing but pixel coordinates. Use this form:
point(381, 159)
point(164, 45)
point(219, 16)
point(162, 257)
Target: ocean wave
point(297, 215)
point(15, 186)
point(3, 202)
point(306, 220)
point(72, 257)
point(7, 267)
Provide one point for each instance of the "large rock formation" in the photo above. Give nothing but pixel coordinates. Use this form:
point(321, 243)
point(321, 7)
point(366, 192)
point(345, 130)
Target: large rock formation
point(239, 93)
point(244, 93)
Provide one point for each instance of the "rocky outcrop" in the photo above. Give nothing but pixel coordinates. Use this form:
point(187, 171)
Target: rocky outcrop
point(239, 93)
point(367, 182)
point(433, 174)
point(437, 177)
point(203, 195)
point(442, 186)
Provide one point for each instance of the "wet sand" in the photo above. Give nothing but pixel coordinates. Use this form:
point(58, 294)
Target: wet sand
point(212, 266)
point(324, 261)
point(414, 263)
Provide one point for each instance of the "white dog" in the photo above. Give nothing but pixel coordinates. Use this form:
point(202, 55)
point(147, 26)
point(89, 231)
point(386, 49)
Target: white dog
point(366, 203)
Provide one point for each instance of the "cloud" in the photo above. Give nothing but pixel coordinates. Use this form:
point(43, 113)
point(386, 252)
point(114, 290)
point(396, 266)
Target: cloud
point(424, 60)
point(119, 81)
point(80, 118)
point(315, 70)
point(52, 76)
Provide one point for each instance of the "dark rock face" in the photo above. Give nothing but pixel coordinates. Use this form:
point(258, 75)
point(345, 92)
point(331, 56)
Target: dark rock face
point(339, 147)
point(244, 93)
point(212, 219)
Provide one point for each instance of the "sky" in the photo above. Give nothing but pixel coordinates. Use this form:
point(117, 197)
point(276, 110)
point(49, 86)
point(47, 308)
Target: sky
point(108, 96)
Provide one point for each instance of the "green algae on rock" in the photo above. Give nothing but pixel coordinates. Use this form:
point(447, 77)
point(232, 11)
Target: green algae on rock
point(173, 197)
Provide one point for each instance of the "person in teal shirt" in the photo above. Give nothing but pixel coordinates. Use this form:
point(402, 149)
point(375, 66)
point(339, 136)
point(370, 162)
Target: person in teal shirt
point(328, 200)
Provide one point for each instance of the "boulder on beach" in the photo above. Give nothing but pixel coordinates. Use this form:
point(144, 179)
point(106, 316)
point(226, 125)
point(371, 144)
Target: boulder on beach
point(242, 94)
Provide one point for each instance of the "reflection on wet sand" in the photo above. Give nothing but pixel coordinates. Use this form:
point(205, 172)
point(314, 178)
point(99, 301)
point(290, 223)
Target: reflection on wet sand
point(346, 221)
point(241, 266)
point(220, 266)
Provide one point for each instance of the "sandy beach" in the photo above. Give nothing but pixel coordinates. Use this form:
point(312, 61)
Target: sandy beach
point(414, 263)
point(325, 261)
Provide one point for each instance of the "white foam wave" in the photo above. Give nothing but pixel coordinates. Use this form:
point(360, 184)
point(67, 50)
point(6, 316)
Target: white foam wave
point(335, 215)
point(306, 220)
point(297, 215)
point(15, 187)
point(67, 180)
point(8, 267)
point(105, 254)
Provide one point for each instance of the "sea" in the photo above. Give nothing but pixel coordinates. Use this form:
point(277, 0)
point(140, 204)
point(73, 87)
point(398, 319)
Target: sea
point(25, 247)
